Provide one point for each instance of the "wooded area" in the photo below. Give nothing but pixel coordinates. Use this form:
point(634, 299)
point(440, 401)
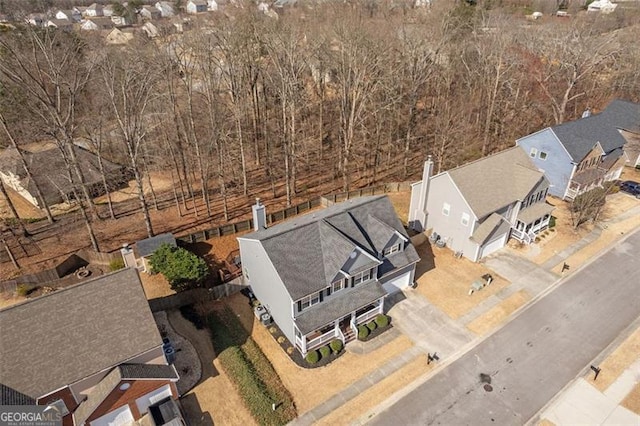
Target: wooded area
point(327, 92)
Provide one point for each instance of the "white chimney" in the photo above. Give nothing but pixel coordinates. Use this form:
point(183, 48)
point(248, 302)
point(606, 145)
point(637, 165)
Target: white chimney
point(419, 195)
point(259, 216)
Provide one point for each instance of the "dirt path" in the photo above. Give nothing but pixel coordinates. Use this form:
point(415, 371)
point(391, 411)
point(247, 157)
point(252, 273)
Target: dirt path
point(214, 400)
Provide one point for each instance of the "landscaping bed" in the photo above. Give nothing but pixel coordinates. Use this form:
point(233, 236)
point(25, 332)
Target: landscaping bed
point(251, 372)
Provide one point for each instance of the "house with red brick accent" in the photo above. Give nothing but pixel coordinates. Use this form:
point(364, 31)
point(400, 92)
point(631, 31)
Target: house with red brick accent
point(92, 351)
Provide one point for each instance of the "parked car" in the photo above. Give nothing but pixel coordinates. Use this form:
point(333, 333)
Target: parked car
point(631, 187)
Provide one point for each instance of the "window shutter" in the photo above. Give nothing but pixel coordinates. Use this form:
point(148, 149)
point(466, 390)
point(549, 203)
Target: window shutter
point(329, 291)
point(299, 305)
point(321, 293)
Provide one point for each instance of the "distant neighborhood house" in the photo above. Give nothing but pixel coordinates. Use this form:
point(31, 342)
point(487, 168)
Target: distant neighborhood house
point(92, 350)
point(474, 209)
point(579, 155)
point(48, 169)
point(322, 274)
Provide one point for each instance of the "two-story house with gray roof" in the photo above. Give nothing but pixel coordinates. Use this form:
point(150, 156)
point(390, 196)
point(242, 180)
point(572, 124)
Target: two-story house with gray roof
point(579, 155)
point(92, 351)
point(322, 274)
point(477, 207)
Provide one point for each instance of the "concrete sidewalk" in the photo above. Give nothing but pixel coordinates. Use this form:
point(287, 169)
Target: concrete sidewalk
point(582, 403)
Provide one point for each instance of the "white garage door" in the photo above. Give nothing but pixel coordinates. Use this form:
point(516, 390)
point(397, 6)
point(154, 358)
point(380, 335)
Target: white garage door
point(120, 417)
point(492, 246)
point(398, 283)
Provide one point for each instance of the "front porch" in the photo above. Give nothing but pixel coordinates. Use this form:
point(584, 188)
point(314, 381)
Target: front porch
point(344, 328)
point(531, 221)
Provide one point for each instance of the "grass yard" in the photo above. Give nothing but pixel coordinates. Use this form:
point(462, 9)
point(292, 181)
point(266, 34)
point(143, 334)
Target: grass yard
point(496, 316)
point(615, 364)
point(251, 372)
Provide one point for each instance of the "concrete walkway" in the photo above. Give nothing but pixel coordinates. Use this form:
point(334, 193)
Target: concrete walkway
point(581, 403)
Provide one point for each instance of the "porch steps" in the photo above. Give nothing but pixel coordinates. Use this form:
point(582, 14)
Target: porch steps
point(349, 335)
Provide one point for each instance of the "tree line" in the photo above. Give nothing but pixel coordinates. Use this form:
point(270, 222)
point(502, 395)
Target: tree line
point(342, 91)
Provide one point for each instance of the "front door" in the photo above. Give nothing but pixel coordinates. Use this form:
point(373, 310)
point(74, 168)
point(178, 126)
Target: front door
point(345, 323)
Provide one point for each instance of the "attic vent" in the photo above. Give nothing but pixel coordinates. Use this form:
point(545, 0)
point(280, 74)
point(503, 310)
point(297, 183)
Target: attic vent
point(353, 255)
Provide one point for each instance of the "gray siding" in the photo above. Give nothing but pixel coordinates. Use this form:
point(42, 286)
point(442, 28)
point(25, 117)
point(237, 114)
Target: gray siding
point(557, 166)
point(443, 190)
point(267, 285)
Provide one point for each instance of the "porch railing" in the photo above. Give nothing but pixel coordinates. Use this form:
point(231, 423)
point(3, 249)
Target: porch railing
point(320, 340)
point(367, 316)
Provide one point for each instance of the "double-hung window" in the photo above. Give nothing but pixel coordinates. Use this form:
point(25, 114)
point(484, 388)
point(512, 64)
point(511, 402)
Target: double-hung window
point(338, 285)
point(361, 277)
point(391, 250)
point(307, 302)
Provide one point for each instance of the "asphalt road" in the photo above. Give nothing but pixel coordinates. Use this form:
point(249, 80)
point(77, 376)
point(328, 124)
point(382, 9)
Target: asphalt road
point(534, 356)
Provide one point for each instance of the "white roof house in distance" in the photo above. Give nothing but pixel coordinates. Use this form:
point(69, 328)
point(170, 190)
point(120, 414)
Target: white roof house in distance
point(474, 209)
point(139, 257)
point(91, 350)
point(322, 274)
point(197, 6)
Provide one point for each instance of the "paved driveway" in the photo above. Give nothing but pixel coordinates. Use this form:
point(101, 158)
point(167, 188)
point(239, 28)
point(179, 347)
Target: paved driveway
point(429, 328)
point(511, 375)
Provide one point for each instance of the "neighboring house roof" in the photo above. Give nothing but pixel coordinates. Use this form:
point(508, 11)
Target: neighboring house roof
point(496, 181)
point(109, 383)
point(309, 250)
point(147, 246)
point(534, 212)
point(492, 226)
point(623, 115)
point(48, 170)
point(10, 396)
point(57, 339)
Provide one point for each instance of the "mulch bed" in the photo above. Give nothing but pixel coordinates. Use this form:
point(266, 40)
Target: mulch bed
point(294, 354)
point(378, 331)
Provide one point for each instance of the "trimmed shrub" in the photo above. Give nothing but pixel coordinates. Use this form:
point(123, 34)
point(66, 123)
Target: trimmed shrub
point(312, 357)
point(180, 267)
point(382, 320)
point(23, 290)
point(116, 265)
point(325, 351)
point(363, 332)
point(336, 345)
point(552, 222)
point(371, 325)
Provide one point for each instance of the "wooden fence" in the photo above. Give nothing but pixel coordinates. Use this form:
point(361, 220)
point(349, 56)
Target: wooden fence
point(280, 215)
point(73, 262)
point(188, 297)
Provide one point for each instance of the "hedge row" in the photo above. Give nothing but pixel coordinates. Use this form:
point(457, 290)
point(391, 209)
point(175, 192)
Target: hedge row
point(251, 372)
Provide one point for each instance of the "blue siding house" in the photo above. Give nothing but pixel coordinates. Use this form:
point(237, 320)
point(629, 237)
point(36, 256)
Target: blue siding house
point(579, 155)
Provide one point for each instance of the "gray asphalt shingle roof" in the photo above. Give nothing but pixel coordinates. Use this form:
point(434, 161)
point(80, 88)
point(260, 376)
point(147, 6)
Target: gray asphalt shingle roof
point(492, 226)
point(147, 246)
point(580, 136)
point(308, 251)
point(496, 181)
point(48, 170)
point(337, 307)
point(62, 337)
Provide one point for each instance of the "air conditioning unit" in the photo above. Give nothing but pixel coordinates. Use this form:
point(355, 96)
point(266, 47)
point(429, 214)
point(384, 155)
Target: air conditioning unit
point(170, 354)
point(259, 311)
point(266, 318)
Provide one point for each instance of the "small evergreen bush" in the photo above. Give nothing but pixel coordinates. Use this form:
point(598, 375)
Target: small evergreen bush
point(371, 325)
point(363, 332)
point(116, 264)
point(325, 351)
point(312, 357)
point(336, 345)
point(382, 320)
